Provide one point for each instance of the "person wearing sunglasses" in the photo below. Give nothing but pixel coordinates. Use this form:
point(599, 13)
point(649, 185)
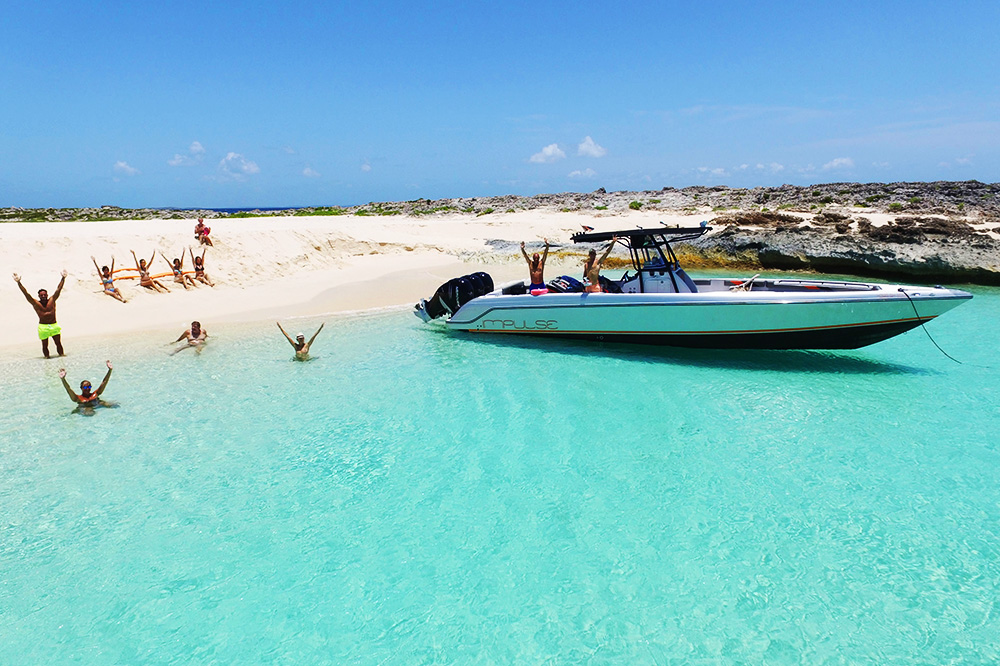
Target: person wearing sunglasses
point(87, 396)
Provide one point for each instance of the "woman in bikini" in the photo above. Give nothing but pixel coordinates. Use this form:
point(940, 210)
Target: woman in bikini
point(199, 267)
point(592, 268)
point(145, 279)
point(108, 280)
point(178, 268)
point(87, 398)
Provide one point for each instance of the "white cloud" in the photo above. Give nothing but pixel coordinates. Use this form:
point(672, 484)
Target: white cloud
point(550, 153)
point(288, 150)
point(839, 163)
point(773, 167)
point(743, 167)
point(718, 171)
point(880, 165)
point(236, 167)
point(366, 167)
point(195, 153)
point(586, 173)
point(123, 167)
point(309, 172)
point(590, 149)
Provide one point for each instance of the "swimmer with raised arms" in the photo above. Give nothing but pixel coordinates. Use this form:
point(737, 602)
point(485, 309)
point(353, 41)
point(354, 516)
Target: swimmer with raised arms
point(300, 345)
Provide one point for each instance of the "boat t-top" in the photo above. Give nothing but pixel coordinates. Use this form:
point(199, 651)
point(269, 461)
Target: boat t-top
point(657, 302)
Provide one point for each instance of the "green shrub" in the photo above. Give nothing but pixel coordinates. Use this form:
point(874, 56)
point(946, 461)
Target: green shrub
point(600, 207)
point(635, 205)
point(895, 207)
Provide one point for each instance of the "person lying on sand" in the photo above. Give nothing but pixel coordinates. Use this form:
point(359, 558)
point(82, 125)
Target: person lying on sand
point(300, 345)
point(45, 308)
point(178, 269)
point(108, 279)
point(195, 337)
point(145, 279)
point(536, 267)
point(199, 267)
point(87, 399)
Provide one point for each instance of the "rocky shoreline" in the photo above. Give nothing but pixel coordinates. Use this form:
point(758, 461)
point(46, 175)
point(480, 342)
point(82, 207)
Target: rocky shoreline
point(927, 232)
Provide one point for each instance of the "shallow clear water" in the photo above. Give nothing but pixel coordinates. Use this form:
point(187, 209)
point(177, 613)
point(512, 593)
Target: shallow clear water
point(418, 497)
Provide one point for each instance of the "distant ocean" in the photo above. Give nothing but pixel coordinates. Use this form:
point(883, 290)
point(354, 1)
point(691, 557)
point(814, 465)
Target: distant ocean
point(412, 496)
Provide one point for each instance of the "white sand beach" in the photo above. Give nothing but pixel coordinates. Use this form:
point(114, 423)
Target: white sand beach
point(271, 267)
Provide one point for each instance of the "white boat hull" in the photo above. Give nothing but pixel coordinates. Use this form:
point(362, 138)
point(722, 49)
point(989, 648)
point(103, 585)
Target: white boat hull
point(766, 319)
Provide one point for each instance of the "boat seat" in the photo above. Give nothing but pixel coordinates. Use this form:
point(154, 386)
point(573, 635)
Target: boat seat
point(687, 280)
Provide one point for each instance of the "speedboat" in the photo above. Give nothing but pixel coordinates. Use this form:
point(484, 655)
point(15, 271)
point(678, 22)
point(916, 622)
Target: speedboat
point(657, 302)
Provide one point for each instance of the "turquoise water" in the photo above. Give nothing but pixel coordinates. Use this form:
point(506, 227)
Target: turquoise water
point(415, 497)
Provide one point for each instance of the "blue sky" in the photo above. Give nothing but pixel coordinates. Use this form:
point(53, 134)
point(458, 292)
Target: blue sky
point(232, 104)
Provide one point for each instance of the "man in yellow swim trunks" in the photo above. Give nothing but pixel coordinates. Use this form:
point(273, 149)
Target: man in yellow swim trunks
point(45, 308)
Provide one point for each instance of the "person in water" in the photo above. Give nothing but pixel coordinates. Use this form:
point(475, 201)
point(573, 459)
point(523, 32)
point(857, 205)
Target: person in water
point(536, 268)
point(145, 279)
point(87, 397)
point(108, 280)
point(199, 267)
point(299, 344)
point(45, 308)
point(195, 337)
point(178, 269)
point(592, 268)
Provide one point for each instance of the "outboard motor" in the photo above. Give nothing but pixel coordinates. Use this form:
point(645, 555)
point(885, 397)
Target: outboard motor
point(453, 294)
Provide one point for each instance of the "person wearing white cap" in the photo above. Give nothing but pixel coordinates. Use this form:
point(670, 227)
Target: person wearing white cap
point(299, 344)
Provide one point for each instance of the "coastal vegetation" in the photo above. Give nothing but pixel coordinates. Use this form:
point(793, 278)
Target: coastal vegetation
point(937, 198)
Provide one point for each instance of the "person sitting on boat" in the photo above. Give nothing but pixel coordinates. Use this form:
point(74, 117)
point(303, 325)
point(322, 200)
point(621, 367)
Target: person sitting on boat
point(536, 268)
point(87, 398)
point(300, 345)
point(592, 268)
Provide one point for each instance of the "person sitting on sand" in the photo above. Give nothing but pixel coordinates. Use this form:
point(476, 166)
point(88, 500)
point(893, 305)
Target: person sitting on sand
point(195, 337)
point(45, 308)
point(178, 269)
point(536, 268)
point(300, 345)
point(108, 280)
point(199, 267)
point(87, 398)
point(145, 279)
point(592, 268)
point(201, 232)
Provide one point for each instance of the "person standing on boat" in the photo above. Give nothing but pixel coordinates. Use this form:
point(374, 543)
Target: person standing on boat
point(592, 268)
point(45, 308)
point(299, 344)
point(536, 268)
